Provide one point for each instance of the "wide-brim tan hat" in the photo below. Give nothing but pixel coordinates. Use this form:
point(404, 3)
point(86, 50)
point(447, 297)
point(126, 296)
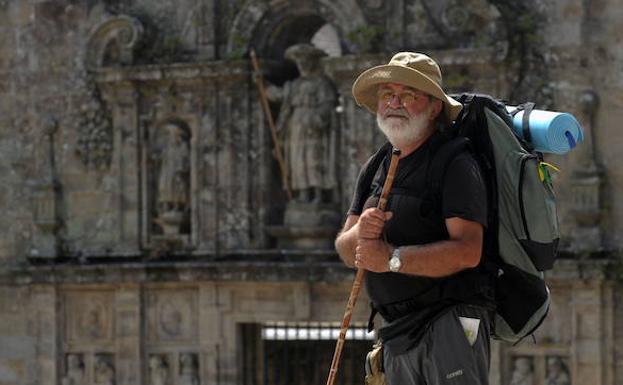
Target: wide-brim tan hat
point(410, 69)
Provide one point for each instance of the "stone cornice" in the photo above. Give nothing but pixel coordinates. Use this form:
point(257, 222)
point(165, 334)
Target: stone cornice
point(223, 72)
point(259, 267)
point(254, 266)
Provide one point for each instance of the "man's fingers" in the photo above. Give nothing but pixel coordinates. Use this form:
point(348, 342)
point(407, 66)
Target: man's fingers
point(388, 215)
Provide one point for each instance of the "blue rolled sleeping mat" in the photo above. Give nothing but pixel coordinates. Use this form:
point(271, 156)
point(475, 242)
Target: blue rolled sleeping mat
point(550, 131)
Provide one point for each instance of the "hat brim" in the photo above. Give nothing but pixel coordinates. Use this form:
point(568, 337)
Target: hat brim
point(366, 86)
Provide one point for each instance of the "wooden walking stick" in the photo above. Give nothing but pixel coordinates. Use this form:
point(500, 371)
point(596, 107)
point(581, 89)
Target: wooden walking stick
point(271, 123)
point(354, 291)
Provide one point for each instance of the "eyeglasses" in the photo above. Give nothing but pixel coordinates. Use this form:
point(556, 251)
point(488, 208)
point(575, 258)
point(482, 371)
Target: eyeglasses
point(406, 97)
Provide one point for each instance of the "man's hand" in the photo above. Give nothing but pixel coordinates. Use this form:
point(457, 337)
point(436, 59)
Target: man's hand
point(371, 223)
point(372, 255)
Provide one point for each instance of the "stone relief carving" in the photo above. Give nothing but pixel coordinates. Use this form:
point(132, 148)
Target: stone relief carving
point(557, 372)
point(522, 371)
point(460, 23)
point(88, 317)
point(189, 373)
point(113, 42)
point(74, 374)
point(308, 123)
point(103, 370)
point(158, 370)
point(171, 320)
point(92, 322)
point(171, 316)
point(94, 126)
point(345, 15)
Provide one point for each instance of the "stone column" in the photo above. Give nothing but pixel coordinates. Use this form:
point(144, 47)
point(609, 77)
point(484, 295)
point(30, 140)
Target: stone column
point(46, 196)
point(44, 331)
point(593, 333)
point(128, 333)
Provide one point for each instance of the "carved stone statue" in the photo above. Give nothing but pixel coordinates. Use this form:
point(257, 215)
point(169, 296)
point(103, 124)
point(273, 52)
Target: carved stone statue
point(174, 171)
point(188, 370)
point(173, 179)
point(158, 371)
point(308, 123)
point(103, 372)
point(557, 372)
point(75, 371)
point(522, 373)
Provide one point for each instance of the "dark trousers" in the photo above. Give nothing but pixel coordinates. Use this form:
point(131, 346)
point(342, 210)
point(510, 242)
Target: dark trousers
point(445, 355)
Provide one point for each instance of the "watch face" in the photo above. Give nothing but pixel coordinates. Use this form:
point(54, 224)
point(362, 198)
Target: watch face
point(394, 264)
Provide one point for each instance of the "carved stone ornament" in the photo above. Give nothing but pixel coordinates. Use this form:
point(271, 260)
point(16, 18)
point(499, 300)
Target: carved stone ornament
point(523, 373)
point(94, 126)
point(189, 374)
point(158, 370)
point(74, 374)
point(557, 372)
point(113, 42)
point(103, 370)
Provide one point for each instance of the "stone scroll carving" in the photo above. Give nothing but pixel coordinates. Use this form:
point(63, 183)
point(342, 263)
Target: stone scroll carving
point(113, 42)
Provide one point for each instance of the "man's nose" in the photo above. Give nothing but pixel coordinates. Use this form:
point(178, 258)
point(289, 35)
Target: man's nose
point(394, 101)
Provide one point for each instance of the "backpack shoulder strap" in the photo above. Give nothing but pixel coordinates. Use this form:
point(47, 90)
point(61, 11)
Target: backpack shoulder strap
point(438, 166)
point(373, 165)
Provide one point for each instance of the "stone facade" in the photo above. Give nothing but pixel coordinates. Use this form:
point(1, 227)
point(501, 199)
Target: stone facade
point(138, 183)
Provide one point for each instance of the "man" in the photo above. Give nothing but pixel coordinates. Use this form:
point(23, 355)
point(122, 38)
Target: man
point(422, 260)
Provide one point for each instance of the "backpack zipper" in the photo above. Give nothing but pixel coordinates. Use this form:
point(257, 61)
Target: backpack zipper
point(521, 204)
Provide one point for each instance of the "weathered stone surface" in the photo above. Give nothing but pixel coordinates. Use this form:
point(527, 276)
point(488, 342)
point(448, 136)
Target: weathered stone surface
point(116, 289)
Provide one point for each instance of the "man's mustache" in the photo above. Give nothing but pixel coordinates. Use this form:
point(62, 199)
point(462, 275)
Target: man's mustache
point(398, 112)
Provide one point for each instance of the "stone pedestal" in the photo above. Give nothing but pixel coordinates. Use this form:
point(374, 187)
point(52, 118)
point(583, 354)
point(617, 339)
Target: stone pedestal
point(307, 226)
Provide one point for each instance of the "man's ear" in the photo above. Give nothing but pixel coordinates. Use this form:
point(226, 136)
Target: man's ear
point(437, 107)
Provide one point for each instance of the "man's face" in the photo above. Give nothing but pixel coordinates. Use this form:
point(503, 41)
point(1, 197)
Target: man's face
point(404, 114)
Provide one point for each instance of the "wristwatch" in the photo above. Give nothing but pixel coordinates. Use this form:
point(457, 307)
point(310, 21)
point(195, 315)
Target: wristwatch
point(395, 263)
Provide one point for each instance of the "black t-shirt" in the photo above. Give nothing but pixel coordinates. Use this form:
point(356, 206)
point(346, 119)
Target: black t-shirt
point(463, 195)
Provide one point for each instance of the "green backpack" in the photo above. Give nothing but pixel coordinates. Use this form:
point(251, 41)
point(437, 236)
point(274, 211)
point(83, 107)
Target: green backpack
point(521, 239)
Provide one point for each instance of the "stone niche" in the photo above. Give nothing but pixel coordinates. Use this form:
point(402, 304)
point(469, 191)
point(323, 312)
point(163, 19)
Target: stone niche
point(186, 149)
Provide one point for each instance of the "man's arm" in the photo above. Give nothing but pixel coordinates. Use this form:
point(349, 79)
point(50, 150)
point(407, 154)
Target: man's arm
point(438, 259)
point(346, 240)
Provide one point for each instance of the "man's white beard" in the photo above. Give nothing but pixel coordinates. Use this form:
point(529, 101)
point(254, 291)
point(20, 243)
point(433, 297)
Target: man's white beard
point(403, 132)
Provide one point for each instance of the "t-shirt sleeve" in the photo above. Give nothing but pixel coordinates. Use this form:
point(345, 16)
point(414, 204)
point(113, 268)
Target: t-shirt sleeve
point(464, 191)
point(358, 200)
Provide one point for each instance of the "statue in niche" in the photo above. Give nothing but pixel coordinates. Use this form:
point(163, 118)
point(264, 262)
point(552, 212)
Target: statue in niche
point(308, 124)
point(557, 372)
point(103, 372)
point(188, 370)
point(158, 370)
point(172, 203)
point(522, 372)
point(75, 371)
